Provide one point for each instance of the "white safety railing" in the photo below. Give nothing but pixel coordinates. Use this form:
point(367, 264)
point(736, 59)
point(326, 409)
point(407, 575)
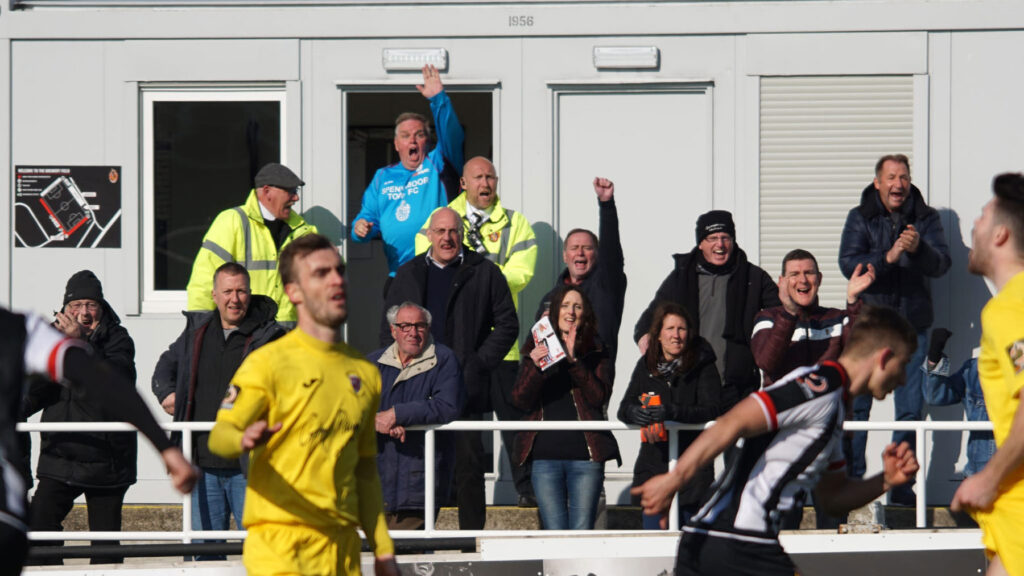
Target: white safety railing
point(186, 535)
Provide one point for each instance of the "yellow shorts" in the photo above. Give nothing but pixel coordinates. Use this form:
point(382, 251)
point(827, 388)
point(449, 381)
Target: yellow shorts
point(1001, 529)
point(278, 549)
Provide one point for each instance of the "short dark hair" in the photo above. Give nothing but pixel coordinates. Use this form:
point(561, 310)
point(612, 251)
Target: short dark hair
point(300, 248)
point(799, 254)
point(654, 351)
point(582, 231)
point(231, 269)
point(586, 330)
point(1009, 205)
point(412, 116)
point(880, 327)
point(901, 158)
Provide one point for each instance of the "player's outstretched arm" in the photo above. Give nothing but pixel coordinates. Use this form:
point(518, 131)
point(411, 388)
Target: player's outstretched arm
point(979, 491)
point(838, 493)
point(743, 421)
point(125, 404)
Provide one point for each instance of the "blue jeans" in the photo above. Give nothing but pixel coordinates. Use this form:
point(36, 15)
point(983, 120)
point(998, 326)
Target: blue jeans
point(909, 403)
point(567, 492)
point(218, 495)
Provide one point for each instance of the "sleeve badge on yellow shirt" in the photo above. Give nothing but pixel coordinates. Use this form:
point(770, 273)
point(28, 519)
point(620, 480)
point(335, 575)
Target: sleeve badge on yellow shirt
point(357, 383)
point(1016, 352)
point(229, 399)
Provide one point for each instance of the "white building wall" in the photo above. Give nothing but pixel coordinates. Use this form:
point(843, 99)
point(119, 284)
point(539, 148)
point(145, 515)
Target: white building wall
point(73, 75)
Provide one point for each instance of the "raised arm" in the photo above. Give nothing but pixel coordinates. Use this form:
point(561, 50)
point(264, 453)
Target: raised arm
point(450, 136)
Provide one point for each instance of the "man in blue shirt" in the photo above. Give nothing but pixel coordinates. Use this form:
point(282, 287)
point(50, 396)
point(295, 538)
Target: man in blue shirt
point(402, 196)
point(943, 388)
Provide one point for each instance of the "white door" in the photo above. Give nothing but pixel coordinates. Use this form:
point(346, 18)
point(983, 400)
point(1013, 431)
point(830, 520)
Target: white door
point(655, 143)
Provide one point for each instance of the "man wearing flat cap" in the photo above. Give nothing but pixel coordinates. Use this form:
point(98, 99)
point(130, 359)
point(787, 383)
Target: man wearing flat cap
point(723, 292)
point(253, 235)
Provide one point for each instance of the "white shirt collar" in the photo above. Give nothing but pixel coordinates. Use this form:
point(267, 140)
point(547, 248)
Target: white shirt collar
point(470, 209)
point(430, 259)
point(266, 213)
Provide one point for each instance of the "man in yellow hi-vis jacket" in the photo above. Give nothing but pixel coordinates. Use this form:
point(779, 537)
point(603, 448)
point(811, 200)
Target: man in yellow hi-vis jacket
point(504, 237)
point(253, 235)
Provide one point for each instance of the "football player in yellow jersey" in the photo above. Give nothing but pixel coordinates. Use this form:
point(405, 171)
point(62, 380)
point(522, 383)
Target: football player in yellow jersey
point(305, 405)
point(995, 496)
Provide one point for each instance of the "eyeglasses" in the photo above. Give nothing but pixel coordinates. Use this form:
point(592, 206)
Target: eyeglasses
point(90, 306)
point(407, 326)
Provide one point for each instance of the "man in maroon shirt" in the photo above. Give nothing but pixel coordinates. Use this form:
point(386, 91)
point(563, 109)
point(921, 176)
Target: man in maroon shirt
point(800, 332)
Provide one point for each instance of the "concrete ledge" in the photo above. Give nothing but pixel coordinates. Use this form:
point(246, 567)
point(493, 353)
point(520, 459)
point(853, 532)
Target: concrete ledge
point(157, 517)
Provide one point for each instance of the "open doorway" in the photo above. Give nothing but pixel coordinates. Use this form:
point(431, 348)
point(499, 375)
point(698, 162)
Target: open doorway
point(369, 135)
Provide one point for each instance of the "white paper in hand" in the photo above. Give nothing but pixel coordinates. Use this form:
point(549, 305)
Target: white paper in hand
point(544, 334)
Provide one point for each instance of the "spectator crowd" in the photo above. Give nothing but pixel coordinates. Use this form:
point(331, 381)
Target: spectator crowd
point(717, 329)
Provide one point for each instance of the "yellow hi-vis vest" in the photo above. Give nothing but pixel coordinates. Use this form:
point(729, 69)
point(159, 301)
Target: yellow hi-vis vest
point(239, 235)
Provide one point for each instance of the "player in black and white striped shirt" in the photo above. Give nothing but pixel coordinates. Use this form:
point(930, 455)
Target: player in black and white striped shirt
point(28, 345)
point(791, 445)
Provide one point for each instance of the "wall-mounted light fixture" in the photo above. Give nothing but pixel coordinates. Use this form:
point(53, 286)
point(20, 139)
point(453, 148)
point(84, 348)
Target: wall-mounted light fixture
point(626, 57)
point(398, 59)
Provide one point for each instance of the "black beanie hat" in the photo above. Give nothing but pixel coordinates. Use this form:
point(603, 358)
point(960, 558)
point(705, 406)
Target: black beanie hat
point(83, 285)
point(713, 222)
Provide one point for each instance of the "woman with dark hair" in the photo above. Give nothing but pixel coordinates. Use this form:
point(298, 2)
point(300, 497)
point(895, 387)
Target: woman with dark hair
point(679, 368)
point(568, 466)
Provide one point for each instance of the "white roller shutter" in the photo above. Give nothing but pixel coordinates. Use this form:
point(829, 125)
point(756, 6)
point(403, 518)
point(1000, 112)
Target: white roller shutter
point(820, 139)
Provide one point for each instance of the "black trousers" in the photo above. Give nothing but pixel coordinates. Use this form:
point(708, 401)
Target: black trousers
point(503, 379)
point(470, 494)
point(14, 544)
point(702, 555)
point(53, 500)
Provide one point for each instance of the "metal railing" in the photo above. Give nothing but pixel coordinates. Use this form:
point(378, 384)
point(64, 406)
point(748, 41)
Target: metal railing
point(186, 535)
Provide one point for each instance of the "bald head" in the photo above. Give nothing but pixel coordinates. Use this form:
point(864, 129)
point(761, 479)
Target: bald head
point(480, 181)
point(445, 235)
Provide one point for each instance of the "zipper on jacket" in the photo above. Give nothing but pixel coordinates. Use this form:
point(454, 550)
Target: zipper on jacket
point(575, 406)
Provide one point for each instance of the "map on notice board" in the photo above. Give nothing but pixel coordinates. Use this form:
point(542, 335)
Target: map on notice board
point(67, 206)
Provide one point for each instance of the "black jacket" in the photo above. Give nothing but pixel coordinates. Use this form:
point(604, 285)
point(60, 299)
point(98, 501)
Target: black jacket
point(88, 459)
point(870, 232)
point(692, 397)
point(481, 325)
point(606, 284)
point(177, 369)
point(750, 290)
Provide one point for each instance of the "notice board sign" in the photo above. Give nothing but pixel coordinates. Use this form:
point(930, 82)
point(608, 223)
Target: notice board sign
point(67, 206)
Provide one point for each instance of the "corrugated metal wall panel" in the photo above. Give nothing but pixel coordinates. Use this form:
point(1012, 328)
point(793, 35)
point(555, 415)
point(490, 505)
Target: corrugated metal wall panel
point(820, 138)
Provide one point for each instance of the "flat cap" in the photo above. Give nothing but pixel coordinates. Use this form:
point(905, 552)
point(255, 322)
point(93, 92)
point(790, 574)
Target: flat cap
point(278, 176)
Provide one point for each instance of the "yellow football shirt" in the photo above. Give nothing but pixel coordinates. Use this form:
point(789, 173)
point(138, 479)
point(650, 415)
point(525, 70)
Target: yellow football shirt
point(1001, 370)
point(320, 469)
point(1001, 363)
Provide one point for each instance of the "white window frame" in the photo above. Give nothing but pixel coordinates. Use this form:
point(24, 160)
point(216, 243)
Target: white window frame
point(173, 301)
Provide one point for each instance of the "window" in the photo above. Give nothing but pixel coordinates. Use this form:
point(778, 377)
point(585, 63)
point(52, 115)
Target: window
point(201, 149)
point(820, 138)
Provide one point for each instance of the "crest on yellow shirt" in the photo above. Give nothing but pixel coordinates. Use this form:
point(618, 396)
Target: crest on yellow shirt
point(1016, 352)
point(356, 382)
point(229, 399)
